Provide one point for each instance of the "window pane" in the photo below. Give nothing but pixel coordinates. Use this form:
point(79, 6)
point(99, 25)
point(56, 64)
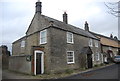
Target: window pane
point(22, 43)
point(90, 43)
point(70, 57)
point(43, 37)
point(96, 43)
point(69, 37)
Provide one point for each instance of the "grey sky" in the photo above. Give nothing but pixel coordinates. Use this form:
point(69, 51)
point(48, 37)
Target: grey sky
point(17, 15)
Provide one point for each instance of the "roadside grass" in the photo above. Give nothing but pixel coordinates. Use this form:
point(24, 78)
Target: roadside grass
point(66, 73)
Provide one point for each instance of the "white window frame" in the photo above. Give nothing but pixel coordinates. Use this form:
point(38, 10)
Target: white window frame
point(102, 57)
point(90, 42)
point(117, 49)
point(23, 43)
point(96, 43)
point(97, 56)
point(110, 48)
point(44, 42)
point(69, 33)
point(93, 57)
point(72, 57)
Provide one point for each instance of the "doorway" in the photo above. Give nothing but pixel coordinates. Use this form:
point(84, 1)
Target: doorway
point(38, 62)
point(89, 61)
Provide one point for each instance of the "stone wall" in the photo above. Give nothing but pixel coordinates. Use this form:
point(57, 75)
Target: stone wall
point(59, 48)
point(20, 64)
point(16, 47)
point(5, 56)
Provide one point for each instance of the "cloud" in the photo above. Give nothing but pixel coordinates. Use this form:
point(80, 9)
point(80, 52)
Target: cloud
point(17, 15)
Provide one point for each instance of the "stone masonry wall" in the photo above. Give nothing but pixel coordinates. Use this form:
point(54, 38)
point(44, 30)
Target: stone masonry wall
point(20, 64)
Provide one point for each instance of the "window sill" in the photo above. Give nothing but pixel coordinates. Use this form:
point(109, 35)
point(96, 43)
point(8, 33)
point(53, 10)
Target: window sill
point(71, 63)
point(70, 42)
point(43, 43)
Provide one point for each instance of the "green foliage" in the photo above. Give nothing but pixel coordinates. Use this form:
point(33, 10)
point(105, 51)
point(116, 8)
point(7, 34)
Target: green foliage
point(68, 71)
point(101, 64)
point(58, 72)
point(96, 65)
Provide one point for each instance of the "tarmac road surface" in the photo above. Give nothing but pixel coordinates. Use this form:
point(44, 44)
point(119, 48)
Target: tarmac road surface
point(110, 72)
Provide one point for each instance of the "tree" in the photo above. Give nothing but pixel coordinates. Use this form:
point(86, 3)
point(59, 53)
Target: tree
point(114, 8)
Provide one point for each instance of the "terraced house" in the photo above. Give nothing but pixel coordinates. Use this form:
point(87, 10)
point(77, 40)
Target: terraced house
point(110, 46)
point(52, 46)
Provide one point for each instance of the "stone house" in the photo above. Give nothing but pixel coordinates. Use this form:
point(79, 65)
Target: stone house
point(52, 46)
point(109, 46)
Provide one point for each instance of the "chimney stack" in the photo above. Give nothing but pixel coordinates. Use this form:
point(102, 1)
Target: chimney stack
point(65, 18)
point(111, 36)
point(86, 26)
point(38, 7)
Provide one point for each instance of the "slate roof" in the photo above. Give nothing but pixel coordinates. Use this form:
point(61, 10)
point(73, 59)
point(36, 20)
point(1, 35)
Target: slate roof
point(86, 50)
point(68, 27)
point(105, 36)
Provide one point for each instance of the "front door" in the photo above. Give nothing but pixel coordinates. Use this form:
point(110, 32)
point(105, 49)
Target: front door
point(38, 62)
point(89, 60)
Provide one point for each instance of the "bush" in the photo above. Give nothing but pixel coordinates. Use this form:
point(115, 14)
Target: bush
point(58, 72)
point(68, 71)
point(96, 65)
point(101, 64)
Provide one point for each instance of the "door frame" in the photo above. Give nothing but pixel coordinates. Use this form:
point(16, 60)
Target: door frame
point(42, 61)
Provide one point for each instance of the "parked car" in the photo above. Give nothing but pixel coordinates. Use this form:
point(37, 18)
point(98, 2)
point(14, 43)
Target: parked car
point(116, 59)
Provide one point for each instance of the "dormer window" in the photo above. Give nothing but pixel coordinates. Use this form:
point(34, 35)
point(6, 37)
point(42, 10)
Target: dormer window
point(23, 43)
point(90, 43)
point(43, 37)
point(70, 37)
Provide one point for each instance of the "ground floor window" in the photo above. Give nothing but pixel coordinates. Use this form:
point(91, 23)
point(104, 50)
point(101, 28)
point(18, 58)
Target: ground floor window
point(70, 57)
point(97, 56)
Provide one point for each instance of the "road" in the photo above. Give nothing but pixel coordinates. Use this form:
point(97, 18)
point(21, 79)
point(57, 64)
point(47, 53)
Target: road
point(110, 72)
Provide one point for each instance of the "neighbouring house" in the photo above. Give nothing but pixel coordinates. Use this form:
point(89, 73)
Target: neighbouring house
point(109, 46)
point(119, 47)
point(4, 56)
point(52, 46)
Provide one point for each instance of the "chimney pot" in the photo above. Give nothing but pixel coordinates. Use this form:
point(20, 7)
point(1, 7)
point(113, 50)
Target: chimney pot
point(111, 36)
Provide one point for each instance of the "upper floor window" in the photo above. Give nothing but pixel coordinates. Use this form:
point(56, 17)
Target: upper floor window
point(70, 57)
point(90, 43)
point(69, 37)
point(110, 48)
point(23, 43)
point(96, 43)
point(43, 37)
